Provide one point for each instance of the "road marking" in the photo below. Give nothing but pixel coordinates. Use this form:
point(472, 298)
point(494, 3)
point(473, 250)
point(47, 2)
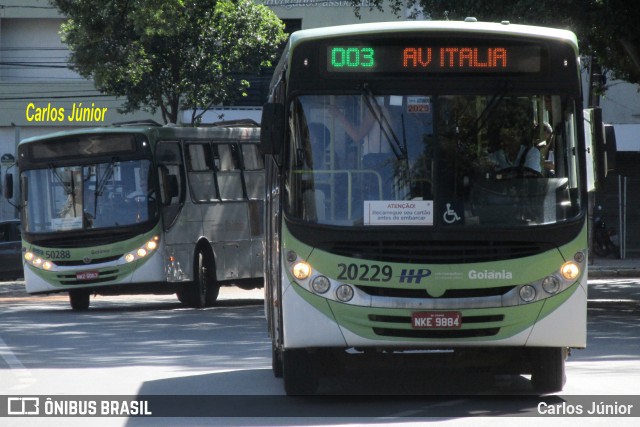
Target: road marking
point(22, 374)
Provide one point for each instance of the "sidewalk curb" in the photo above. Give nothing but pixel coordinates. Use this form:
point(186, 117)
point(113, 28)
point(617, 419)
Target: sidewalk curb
point(613, 273)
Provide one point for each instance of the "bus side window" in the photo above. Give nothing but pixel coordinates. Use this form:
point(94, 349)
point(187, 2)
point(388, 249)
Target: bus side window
point(228, 174)
point(201, 179)
point(171, 180)
point(253, 171)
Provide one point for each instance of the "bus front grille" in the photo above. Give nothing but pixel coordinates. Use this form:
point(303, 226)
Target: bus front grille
point(75, 263)
point(436, 333)
point(435, 252)
point(423, 293)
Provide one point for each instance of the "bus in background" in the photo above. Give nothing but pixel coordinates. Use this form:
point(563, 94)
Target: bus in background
point(426, 196)
point(131, 209)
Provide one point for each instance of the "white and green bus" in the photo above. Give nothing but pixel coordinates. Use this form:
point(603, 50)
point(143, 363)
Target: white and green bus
point(426, 195)
point(145, 209)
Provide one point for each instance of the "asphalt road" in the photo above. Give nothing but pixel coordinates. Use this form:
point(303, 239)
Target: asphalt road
point(152, 346)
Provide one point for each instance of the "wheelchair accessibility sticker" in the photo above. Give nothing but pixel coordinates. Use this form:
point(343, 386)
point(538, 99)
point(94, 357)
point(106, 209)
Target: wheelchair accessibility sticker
point(450, 215)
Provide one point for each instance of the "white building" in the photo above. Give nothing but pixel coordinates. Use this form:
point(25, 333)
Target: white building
point(37, 90)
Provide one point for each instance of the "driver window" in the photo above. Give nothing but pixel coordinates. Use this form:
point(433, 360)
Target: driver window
point(170, 179)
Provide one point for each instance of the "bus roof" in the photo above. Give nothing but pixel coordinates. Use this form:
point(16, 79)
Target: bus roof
point(249, 133)
point(469, 27)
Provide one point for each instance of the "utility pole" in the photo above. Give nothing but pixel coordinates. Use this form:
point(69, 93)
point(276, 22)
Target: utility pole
point(596, 83)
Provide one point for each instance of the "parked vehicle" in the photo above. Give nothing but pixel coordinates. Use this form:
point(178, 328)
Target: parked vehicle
point(10, 250)
point(606, 240)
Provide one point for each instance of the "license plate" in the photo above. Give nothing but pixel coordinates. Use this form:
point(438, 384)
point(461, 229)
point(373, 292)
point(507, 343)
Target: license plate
point(436, 320)
point(87, 275)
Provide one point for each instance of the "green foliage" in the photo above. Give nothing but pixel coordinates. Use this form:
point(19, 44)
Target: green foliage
point(608, 30)
point(170, 55)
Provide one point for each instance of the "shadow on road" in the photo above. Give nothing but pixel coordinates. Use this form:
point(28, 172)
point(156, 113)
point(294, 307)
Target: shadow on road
point(381, 398)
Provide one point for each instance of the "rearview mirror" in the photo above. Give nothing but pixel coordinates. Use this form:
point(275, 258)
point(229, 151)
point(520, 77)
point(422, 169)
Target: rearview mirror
point(272, 128)
point(7, 188)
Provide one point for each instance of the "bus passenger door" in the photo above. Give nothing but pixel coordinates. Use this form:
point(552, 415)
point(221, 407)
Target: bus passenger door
point(254, 183)
point(177, 238)
point(171, 181)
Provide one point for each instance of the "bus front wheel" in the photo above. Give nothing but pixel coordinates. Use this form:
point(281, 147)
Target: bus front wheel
point(195, 294)
point(198, 294)
point(547, 369)
point(298, 373)
point(276, 361)
point(79, 299)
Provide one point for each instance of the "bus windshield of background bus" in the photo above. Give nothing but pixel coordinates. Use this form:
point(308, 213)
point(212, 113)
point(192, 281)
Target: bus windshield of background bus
point(420, 160)
point(89, 196)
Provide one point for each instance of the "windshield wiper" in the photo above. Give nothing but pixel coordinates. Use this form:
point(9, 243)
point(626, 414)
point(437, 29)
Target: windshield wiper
point(484, 116)
point(68, 187)
point(101, 183)
point(398, 149)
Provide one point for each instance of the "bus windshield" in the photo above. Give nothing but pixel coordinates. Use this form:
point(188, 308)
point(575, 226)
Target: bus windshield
point(89, 196)
point(433, 160)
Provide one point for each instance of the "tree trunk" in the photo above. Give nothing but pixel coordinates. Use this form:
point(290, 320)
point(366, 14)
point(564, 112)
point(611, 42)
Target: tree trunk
point(595, 83)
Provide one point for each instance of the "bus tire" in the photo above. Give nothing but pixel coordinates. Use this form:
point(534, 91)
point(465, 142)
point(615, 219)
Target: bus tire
point(276, 361)
point(181, 296)
point(298, 373)
point(213, 290)
point(211, 282)
point(547, 369)
point(79, 299)
point(195, 293)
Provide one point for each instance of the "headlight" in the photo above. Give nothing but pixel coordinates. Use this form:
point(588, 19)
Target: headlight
point(320, 284)
point(38, 262)
point(143, 251)
point(344, 293)
point(304, 275)
point(527, 293)
point(301, 270)
point(570, 270)
point(551, 284)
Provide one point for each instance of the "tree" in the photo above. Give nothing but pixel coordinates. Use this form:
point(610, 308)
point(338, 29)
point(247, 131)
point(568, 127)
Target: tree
point(171, 55)
point(607, 30)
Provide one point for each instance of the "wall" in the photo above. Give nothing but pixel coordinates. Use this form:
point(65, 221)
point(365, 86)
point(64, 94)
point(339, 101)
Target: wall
point(39, 94)
point(318, 13)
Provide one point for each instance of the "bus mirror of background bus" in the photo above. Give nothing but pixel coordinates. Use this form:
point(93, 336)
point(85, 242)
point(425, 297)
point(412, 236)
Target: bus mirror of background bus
point(169, 183)
point(604, 144)
point(272, 131)
point(611, 147)
point(7, 188)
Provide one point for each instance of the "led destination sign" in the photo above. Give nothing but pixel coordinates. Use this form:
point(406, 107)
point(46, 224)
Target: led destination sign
point(434, 59)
